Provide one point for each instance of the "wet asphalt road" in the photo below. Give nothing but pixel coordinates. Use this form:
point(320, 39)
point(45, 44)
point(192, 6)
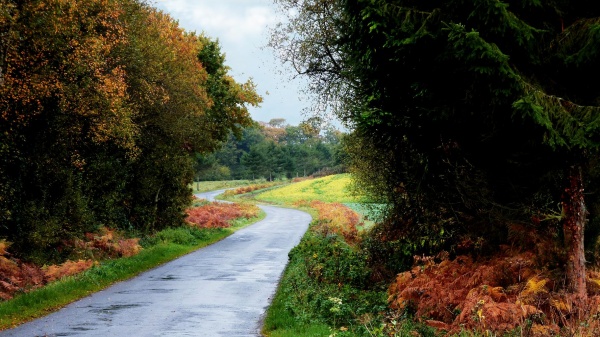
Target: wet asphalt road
point(220, 290)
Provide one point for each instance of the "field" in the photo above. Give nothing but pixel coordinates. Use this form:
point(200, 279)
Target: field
point(334, 188)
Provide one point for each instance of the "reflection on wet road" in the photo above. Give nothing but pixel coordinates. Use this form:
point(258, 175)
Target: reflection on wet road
point(221, 290)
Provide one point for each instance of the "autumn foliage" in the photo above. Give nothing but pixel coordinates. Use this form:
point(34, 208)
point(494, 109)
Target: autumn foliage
point(17, 276)
point(67, 268)
point(494, 295)
point(103, 105)
point(107, 243)
point(334, 217)
point(219, 214)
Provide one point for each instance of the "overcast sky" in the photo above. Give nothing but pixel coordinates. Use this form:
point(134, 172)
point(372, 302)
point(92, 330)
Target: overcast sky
point(241, 26)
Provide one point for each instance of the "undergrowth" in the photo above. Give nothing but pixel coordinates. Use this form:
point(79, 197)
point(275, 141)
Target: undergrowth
point(17, 277)
point(327, 287)
point(343, 281)
point(508, 294)
point(218, 214)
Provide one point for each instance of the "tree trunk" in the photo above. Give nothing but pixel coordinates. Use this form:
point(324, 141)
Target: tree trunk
point(575, 216)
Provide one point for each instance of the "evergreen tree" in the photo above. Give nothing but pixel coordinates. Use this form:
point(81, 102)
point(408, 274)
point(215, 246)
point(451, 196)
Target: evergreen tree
point(467, 115)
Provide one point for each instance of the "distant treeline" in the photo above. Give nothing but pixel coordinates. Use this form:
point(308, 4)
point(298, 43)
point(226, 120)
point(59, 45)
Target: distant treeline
point(275, 150)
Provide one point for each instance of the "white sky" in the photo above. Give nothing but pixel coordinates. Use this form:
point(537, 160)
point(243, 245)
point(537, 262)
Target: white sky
point(241, 26)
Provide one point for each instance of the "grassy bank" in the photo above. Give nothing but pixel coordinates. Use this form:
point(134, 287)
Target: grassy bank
point(160, 248)
point(326, 289)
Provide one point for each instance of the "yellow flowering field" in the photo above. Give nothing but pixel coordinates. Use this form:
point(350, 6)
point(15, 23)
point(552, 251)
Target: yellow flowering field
point(334, 188)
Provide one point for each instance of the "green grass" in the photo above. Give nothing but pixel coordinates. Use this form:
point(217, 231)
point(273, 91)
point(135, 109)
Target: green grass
point(302, 305)
point(281, 323)
point(163, 247)
point(281, 320)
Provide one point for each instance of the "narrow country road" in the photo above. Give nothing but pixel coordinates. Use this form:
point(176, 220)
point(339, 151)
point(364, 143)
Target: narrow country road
point(220, 290)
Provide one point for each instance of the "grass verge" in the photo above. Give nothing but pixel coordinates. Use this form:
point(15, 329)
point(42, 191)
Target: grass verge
point(162, 247)
point(281, 322)
point(325, 291)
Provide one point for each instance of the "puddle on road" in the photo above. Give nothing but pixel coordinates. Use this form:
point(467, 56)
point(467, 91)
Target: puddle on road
point(221, 278)
point(115, 307)
point(164, 278)
point(81, 328)
point(150, 291)
point(168, 278)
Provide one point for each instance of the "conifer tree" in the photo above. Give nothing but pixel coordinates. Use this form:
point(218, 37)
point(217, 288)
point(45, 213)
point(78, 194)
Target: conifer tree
point(467, 115)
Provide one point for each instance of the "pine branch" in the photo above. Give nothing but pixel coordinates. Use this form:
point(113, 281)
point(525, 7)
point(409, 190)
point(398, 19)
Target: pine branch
point(568, 125)
point(578, 42)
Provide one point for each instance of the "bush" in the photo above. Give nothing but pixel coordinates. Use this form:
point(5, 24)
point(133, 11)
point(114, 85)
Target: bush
point(329, 259)
point(328, 280)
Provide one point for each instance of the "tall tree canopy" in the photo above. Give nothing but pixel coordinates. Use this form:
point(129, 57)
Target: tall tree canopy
point(103, 104)
point(467, 115)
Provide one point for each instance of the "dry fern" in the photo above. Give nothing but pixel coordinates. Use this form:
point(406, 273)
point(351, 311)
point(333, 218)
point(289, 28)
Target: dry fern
point(534, 287)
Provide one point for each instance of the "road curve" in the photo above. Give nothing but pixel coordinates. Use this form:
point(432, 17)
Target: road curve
point(220, 290)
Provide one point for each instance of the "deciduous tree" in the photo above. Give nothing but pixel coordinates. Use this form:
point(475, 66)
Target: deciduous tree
point(103, 105)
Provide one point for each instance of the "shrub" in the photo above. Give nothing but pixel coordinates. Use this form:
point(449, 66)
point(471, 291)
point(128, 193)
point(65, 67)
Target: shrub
point(250, 188)
point(329, 259)
point(181, 235)
point(328, 281)
point(16, 276)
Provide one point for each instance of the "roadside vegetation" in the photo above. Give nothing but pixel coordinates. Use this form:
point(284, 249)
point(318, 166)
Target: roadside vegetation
point(29, 291)
point(103, 117)
point(246, 192)
point(327, 287)
point(347, 279)
point(474, 124)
